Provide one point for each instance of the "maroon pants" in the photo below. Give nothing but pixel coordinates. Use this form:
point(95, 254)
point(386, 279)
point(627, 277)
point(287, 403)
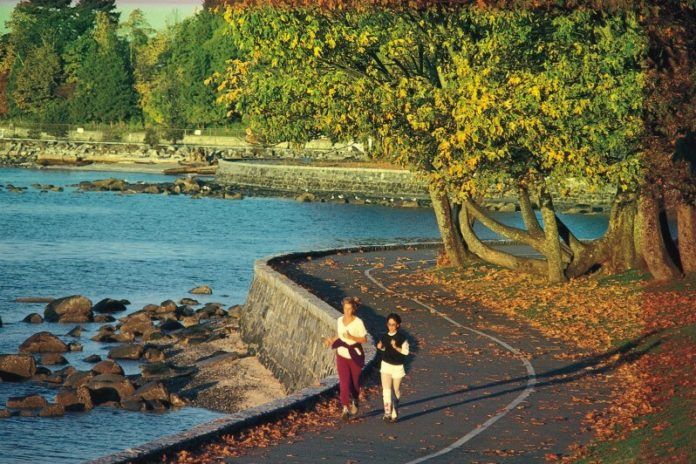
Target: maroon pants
point(348, 378)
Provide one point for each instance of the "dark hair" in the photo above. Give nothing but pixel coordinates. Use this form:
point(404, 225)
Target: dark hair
point(395, 317)
point(354, 301)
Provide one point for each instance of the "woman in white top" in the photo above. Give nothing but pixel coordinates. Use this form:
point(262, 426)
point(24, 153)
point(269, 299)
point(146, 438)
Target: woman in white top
point(350, 356)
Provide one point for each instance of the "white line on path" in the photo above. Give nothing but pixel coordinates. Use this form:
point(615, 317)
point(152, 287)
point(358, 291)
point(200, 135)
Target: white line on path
point(531, 374)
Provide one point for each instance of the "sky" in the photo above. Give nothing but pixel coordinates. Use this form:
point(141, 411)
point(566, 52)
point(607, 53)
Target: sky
point(158, 12)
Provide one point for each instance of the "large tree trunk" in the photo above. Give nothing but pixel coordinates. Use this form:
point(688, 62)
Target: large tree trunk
point(654, 249)
point(616, 250)
point(686, 233)
point(492, 255)
point(454, 245)
point(552, 242)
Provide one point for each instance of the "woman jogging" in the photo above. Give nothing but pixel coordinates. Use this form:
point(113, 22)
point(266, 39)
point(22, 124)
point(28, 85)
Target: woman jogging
point(394, 348)
point(350, 356)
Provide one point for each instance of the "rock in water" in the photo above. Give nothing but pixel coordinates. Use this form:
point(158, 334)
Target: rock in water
point(109, 387)
point(14, 367)
point(94, 358)
point(43, 342)
point(27, 402)
point(53, 359)
point(107, 367)
point(75, 332)
point(52, 410)
point(202, 290)
point(75, 400)
point(127, 352)
point(74, 308)
point(109, 305)
point(33, 318)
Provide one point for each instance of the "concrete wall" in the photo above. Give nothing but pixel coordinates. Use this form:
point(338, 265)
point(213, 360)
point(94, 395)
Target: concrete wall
point(326, 180)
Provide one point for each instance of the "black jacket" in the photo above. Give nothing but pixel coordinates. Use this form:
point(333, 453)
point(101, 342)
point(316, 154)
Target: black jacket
point(389, 354)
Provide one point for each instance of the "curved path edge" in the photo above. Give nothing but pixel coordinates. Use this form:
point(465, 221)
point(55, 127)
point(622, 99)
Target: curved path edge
point(241, 420)
point(531, 374)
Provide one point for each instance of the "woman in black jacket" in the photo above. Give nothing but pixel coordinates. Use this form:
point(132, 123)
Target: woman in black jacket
point(394, 348)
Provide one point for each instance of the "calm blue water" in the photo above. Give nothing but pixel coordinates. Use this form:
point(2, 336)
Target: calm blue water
point(149, 248)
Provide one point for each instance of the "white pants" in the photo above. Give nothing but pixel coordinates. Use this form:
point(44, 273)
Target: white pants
point(391, 386)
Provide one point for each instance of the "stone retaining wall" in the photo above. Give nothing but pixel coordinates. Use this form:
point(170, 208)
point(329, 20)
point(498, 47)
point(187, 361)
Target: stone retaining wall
point(363, 182)
point(287, 327)
point(358, 184)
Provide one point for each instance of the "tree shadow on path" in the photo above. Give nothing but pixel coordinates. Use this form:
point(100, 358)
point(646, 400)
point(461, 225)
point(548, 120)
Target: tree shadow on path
point(628, 353)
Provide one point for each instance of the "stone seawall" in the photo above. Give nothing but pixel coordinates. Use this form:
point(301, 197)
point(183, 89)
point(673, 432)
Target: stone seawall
point(362, 182)
point(287, 327)
point(356, 185)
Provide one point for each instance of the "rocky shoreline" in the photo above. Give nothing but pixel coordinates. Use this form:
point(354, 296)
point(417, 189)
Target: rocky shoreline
point(191, 354)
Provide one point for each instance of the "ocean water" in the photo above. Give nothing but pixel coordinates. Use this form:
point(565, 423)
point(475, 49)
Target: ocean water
point(149, 248)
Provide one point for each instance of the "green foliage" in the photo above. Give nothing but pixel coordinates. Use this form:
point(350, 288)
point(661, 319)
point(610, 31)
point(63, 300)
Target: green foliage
point(173, 68)
point(473, 98)
point(37, 80)
point(98, 66)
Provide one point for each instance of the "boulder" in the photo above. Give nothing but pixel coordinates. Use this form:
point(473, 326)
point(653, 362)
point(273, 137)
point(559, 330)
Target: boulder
point(201, 290)
point(53, 359)
point(107, 367)
point(52, 410)
point(43, 342)
point(133, 404)
point(109, 387)
point(152, 308)
point(75, 331)
point(189, 302)
point(14, 367)
point(78, 379)
point(137, 324)
point(75, 400)
point(74, 346)
point(167, 306)
point(235, 311)
point(93, 358)
point(169, 326)
point(27, 402)
point(153, 354)
point(5, 414)
point(133, 351)
point(66, 371)
point(165, 370)
point(75, 308)
point(33, 318)
point(151, 391)
point(109, 305)
point(102, 318)
point(306, 197)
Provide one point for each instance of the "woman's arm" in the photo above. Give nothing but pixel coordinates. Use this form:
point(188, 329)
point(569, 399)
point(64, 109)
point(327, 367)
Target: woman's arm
point(328, 341)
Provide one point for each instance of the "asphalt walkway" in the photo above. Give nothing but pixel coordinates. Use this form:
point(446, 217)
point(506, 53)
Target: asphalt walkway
point(480, 388)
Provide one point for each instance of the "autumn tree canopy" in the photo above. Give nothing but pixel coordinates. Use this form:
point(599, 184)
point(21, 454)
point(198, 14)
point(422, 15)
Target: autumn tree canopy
point(477, 100)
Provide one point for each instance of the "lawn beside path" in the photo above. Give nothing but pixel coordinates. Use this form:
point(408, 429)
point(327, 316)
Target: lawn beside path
point(457, 381)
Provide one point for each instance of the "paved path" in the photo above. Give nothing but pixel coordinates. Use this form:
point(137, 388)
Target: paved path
point(479, 388)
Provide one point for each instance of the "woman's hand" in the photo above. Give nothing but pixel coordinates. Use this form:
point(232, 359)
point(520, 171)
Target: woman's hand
point(393, 344)
point(380, 346)
point(328, 341)
point(347, 335)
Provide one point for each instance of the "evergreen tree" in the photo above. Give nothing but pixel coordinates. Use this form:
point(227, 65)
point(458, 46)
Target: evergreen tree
point(99, 68)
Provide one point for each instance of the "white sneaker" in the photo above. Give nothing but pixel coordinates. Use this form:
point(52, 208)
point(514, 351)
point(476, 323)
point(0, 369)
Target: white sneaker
point(345, 415)
point(353, 408)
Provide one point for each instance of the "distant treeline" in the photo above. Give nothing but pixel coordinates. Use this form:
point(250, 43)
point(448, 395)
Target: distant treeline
point(64, 63)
